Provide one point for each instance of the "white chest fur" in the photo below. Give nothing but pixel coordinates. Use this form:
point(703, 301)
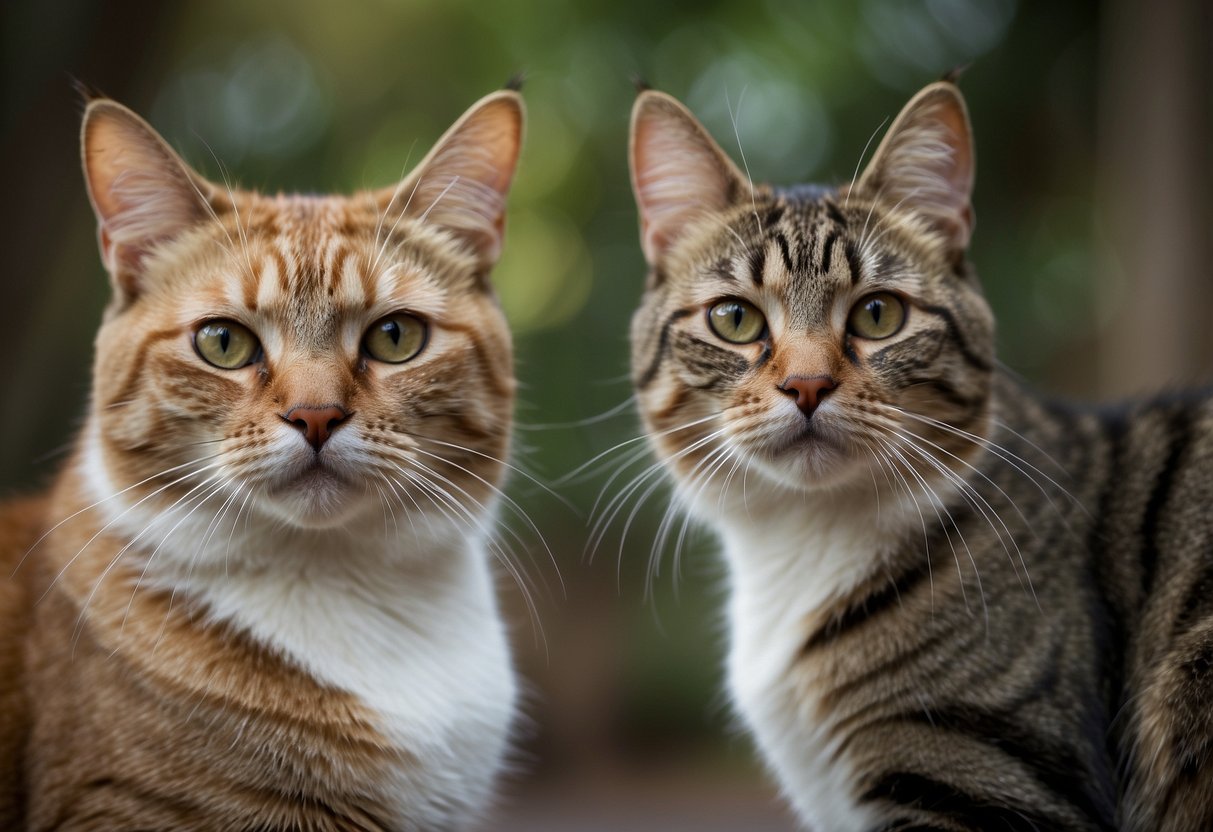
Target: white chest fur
point(425, 653)
point(784, 566)
point(409, 626)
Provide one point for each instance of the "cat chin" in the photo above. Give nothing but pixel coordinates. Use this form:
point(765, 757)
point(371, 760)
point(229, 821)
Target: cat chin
point(316, 500)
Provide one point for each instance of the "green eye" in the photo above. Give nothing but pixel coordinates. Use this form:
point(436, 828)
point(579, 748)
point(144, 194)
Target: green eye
point(737, 321)
point(226, 345)
point(395, 338)
point(877, 316)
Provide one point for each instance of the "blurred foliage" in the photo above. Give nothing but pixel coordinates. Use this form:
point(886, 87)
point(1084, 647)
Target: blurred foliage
point(316, 96)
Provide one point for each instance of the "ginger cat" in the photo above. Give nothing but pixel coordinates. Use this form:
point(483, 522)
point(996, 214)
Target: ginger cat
point(259, 593)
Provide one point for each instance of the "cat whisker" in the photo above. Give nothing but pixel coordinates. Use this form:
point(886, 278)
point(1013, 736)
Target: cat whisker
point(380, 245)
point(879, 129)
point(978, 502)
point(509, 501)
point(425, 214)
point(888, 466)
point(516, 469)
point(193, 502)
point(240, 229)
point(508, 560)
point(972, 494)
point(936, 504)
point(1006, 455)
point(614, 411)
point(617, 503)
point(104, 528)
point(189, 571)
point(104, 500)
point(699, 478)
point(572, 475)
point(741, 150)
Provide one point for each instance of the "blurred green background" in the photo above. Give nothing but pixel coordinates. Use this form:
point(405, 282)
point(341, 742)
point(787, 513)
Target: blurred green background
point(1093, 127)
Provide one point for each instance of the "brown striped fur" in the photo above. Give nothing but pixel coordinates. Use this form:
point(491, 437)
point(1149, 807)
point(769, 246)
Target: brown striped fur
point(956, 605)
point(130, 696)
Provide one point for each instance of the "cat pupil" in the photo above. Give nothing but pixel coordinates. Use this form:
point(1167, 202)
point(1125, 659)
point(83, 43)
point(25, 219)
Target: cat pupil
point(393, 331)
point(738, 314)
point(225, 337)
point(874, 309)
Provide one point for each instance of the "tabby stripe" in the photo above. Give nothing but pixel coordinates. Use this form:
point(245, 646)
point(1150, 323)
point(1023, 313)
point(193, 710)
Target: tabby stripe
point(954, 330)
point(853, 262)
point(370, 286)
point(284, 274)
point(808, 252)
point(1054, 766)
point(140, 794)
point(248, 284)
point(663, 346)
point(711, 358)
point(869, 606)
point(785, 252)
point(835, 214)
point(758, 263)
point(764, 357)
point(1198, 601)
point(848, 349)
point(774, 215)
point(723, 271)
point(916, 791)
point(335, 263)
point(130, 384)
point(1109, 614)
point(967, 404)
point(1178, 428)
point(827, 251)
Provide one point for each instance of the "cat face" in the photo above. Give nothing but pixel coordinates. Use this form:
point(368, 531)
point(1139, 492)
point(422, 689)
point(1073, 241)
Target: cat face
point(816, 336)
point(313, 360)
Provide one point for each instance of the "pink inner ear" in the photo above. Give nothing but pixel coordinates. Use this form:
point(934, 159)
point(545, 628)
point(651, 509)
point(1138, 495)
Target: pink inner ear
point(678, 172)
point(925, 163)
point(141, 191)
point(461, 185)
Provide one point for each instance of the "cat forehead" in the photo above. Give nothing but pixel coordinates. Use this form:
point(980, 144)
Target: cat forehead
point(793, 240)
point(289, 252)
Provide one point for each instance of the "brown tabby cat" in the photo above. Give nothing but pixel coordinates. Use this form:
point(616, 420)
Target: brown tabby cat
point(258, 595)
point(955, 605)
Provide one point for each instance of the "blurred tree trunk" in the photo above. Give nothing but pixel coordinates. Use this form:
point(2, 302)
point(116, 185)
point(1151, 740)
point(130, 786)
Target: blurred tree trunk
point(48, 316)
point(1154, 195)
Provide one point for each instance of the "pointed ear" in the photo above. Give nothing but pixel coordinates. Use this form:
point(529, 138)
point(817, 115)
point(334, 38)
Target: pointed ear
point(141, 191)
point(678, 171)
point(925, 163)
point(461, 184)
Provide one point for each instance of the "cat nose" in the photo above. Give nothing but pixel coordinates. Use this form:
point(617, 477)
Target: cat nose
point(808, 390)
point(316, 423)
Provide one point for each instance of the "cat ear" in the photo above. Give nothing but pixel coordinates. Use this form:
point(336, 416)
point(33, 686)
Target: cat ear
point(925, 163)
point(461, 184)
point(141, 191)
point(678, 171)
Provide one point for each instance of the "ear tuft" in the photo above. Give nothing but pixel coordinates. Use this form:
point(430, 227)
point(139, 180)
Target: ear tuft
point(678, 171)
point(462, 183)
point(141, 191)
point(925, 163)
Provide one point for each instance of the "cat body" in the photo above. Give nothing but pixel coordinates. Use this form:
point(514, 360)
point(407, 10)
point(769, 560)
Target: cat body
point(953, 604)
point(259, 594)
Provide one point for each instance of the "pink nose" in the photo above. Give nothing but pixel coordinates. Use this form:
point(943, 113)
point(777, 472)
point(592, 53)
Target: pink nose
point(808, 390)
point(316, 423)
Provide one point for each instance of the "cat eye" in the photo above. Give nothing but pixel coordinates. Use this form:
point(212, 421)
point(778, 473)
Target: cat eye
point(395, 338)
point(877, 316)
point(226, 345)
point(737, 321)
